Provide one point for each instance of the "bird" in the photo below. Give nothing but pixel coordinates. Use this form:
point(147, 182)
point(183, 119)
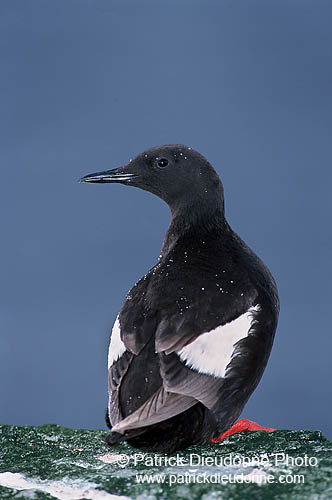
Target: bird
point(194, 334)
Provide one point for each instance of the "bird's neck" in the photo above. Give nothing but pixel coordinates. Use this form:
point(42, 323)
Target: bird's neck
point(197, 220)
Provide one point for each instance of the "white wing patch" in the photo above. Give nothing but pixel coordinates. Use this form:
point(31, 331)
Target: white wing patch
point(212, 351)
point(117, 347)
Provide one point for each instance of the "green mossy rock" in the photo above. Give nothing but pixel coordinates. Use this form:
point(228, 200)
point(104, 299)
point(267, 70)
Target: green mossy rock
point(50, 462)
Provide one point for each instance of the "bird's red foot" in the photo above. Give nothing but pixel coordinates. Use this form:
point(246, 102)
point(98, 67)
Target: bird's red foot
point(240, 426)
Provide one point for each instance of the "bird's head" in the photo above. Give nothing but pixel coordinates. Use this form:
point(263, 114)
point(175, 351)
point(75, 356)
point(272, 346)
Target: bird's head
point(176, 173)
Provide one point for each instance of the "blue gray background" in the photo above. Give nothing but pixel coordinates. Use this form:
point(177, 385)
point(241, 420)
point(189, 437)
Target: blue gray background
point(87, 84)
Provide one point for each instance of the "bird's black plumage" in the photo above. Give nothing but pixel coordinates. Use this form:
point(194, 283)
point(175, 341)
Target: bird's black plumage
point(208, 297)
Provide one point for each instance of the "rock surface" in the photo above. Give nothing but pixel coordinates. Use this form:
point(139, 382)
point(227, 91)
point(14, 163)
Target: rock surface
point(50, 462)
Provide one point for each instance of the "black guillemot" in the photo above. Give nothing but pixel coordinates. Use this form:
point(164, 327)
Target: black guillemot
point(193, 337)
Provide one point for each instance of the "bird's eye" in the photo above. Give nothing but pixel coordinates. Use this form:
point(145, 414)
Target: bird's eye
point(162, 162)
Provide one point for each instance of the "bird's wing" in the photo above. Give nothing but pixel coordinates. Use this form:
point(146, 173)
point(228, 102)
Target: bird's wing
point(116, 372)
point(132, 377)
point(199, 369)
point(161, 406)
point(195, 347)
point(143, 384)
point(194, 373)
point(175, 330)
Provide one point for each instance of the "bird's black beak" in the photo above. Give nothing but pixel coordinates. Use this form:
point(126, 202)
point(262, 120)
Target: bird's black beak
point(115, 175)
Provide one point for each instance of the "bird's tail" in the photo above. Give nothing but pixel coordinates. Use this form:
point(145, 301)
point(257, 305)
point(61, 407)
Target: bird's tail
point(116, 437)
